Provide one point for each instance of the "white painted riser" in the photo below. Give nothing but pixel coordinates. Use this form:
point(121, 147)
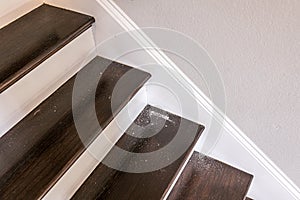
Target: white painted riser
point(233, 147)
point(16, 103)
point(88, 161)
point(22, 97)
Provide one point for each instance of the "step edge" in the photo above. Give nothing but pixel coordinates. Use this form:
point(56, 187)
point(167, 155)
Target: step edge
point(250, 176)
point(186, 154)
point(71, 162)
point(283, 182)
point(41, 94)
point(140, 96)
point(176, 177)
point(41, 58)
point(183, 164)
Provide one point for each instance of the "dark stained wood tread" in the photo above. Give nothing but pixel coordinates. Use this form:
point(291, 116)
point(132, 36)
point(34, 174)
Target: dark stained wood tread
point(248, 198)
point(207, 179)
point(109, 183)
point(41, 147)
point(31, 39)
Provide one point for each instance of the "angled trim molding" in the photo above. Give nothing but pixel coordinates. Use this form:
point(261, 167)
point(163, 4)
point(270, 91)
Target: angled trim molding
point(161, 58)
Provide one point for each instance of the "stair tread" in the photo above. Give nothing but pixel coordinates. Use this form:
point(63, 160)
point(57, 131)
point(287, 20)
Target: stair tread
point(108, 183)
point(42, 146)
point(34, 37)
point(208, 179)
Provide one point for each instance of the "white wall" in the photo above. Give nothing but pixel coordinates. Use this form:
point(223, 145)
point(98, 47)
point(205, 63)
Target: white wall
point(13, 9)
point(256, 47)
point(221, 27)
point(7, 6)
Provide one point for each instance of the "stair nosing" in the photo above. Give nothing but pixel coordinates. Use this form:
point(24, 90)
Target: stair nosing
point(34, 63)
point(202, 172)
point(137, 86)
point(169, 172)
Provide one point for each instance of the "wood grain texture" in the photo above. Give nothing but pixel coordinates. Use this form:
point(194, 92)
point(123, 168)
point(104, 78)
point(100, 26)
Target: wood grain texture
point(159, 129)
point(207, 179)
point(40, 148)
point(31, 39)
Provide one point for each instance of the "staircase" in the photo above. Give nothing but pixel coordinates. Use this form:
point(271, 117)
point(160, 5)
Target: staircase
point(40, 145)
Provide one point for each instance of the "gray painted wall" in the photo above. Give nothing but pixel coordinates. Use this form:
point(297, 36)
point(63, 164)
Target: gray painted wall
point(256, 46)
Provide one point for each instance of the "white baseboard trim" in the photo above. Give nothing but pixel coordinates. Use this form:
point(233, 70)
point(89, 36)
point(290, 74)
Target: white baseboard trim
point(70, 182)
point(22, 97)
point(238, 135)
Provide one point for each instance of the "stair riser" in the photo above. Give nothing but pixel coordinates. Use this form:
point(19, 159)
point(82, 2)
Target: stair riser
point(47, 142)
point(167, 193)
point(68, 184)
point(22, 97)
point(143, 176)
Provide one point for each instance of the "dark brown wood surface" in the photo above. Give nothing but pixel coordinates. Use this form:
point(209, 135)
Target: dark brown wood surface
point(31, 39)
point(207, 179)
point(159, 128)
point(40, 148)
point(248, 198)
